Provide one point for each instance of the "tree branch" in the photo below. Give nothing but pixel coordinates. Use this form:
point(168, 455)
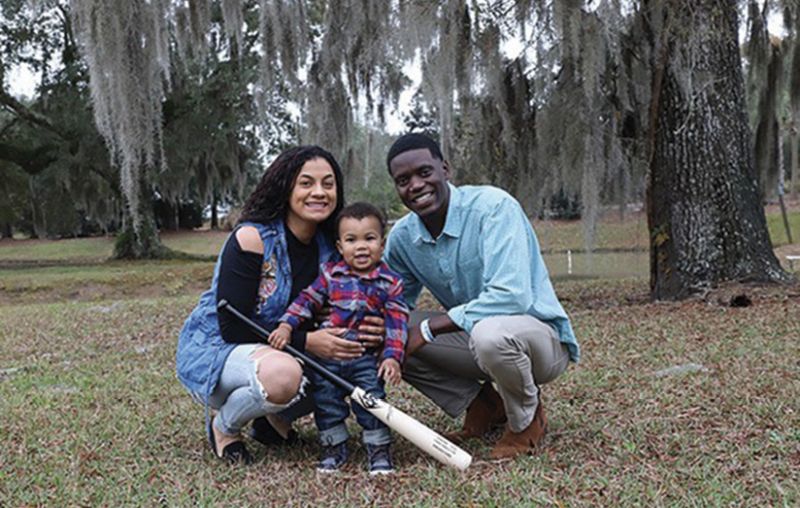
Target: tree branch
point(25, 113)
point(32, 161)
point(8, 126)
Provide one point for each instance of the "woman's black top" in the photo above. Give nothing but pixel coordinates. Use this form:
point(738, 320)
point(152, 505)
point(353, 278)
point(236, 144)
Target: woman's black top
point(240, 277)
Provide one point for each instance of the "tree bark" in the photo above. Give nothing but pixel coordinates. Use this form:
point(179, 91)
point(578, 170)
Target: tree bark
point(6, 231)
point(793, 140)
point(214, 216)
point(139, 236)
point(767, 135)
point(705, 217)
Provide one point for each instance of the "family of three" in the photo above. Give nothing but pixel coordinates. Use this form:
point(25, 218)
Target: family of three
point(320, 276)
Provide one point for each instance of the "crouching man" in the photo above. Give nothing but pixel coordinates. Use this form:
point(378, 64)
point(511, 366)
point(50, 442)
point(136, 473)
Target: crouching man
point(474, 248)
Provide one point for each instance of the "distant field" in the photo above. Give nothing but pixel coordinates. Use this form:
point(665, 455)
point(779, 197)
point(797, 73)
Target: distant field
point(777, 231)
point(554, 237)
point(204, 243)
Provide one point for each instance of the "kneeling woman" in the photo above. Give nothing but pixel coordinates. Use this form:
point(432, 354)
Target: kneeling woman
point(285, 232)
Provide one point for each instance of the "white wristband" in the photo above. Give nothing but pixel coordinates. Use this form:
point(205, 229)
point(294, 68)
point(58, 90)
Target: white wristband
point(425, 330)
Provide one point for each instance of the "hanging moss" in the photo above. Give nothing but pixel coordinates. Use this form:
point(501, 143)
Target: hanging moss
point(125, 45)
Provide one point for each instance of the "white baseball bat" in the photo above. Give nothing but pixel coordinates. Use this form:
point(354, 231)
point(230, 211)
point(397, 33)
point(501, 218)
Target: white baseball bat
point(425, 438)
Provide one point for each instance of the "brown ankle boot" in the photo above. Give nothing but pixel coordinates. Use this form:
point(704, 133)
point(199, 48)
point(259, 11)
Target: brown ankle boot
point(485, 412)
point(512, 444)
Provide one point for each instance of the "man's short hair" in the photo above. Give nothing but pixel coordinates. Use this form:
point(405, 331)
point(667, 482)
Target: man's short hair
point(413, 141)
point(360, 211)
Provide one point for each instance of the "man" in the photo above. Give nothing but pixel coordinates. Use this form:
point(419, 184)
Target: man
point(474, 248)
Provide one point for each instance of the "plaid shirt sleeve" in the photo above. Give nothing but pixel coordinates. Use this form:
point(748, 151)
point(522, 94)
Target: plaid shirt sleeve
point(308, 302)
point(396, 322)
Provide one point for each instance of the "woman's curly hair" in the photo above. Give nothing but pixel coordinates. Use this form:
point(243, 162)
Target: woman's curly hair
point(270, 199)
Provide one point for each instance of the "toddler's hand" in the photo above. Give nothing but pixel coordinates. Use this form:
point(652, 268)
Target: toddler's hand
point(390, 371)
point(280, 336)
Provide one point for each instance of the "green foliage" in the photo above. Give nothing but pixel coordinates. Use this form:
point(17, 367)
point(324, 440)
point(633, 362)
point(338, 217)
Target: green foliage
point(182, 215)
point(421, 117)
point(211, 130)
point(563, 206)
point(69, 178)
point(131, 244)
point(14, 198)
point(381, 193)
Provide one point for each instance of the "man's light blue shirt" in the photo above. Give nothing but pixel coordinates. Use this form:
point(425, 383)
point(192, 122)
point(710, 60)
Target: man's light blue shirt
point(486, 262)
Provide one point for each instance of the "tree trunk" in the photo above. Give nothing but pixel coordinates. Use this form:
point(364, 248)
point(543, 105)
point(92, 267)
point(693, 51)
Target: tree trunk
point(705, 217)
point(38, 218)
point(365, 183)
point(6, 231)
point(794, 139)
point(139, 236)
point(214, 216)
point(767, 135)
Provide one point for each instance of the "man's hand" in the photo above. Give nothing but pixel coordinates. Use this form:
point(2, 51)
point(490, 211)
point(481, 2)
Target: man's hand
point(415, 340)
point(280, 336)
point(390, 371)
point(438, 324)
point(371, 331)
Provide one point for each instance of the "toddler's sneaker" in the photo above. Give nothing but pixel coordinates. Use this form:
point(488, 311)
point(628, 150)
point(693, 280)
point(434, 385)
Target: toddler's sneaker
point(333, 457)
point(380, 459)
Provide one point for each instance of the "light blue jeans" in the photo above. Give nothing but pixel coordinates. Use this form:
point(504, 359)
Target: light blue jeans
point(240, 398)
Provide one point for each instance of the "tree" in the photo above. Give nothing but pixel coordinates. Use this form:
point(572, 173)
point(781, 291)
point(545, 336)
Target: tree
point(50, 141)
point(600, 92)
point(705, 217)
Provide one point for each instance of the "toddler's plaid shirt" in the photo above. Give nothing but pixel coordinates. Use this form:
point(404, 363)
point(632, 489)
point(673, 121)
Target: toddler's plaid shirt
point(353, 296)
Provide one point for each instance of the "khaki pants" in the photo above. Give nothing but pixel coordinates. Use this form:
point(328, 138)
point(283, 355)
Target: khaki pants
point(517, 353)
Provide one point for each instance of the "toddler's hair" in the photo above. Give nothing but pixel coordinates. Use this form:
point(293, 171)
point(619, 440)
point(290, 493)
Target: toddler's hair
point(360, 211)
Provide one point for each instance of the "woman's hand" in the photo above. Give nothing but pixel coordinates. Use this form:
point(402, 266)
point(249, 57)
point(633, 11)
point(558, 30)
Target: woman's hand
point(371, 331)
point(328, 343)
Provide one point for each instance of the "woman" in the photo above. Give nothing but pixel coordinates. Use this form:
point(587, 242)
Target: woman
point(286, 230)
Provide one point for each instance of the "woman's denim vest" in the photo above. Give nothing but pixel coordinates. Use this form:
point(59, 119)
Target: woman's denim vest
point(201, 350)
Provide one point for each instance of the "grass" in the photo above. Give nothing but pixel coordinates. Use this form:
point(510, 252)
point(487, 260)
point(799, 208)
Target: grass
point(91, 413)
point(98, 249)
point(610, 234)
point(106, 281)
point(631, 234)
point(777, 230)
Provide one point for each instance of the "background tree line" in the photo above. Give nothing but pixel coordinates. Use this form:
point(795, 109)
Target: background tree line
point(609, 102)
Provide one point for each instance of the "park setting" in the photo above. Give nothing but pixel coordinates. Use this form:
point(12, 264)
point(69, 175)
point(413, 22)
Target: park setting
point(651, 145)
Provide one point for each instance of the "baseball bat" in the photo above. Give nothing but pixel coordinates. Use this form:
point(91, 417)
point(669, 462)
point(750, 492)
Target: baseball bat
point(423, 437)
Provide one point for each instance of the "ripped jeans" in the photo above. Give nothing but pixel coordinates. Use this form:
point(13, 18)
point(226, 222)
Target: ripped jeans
point(240, 398)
